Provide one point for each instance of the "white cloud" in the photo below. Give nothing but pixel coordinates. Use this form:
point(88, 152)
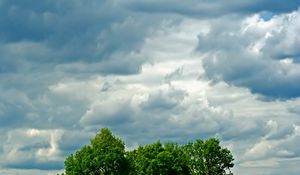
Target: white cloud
point(261, 55)
point(31, 147)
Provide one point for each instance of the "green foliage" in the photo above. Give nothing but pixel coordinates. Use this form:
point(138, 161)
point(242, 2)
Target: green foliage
point(158, 159)
point(106, 156)
point(208, 158)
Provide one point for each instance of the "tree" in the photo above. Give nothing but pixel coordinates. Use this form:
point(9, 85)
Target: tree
point(104, 156)
point(208, 158)
point(158, 159)
point(80, 162)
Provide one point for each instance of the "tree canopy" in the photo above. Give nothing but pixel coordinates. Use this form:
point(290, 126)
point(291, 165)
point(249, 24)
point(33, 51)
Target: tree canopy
point(106, 155)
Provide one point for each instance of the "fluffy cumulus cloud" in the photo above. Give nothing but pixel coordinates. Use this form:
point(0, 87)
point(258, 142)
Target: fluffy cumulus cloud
point(149, 70)
point(32, 148)
point(254, 53)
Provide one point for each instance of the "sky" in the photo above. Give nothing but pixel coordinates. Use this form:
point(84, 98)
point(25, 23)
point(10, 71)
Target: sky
point(150, 70)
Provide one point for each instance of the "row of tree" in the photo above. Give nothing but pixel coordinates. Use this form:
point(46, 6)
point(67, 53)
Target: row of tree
point(106, 155)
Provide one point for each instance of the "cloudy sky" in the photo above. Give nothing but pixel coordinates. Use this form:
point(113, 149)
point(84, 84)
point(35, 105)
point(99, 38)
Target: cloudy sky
point(171, 70)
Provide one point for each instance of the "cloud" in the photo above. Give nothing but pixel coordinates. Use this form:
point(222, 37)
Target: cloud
point(253, 59)
point(163, 100)
point(148, 109)
point(51, 33)
point(206, 9)
point(149, 70)
point(73, 140)
point(272, 152)
point(32, 148)
point(102, 113)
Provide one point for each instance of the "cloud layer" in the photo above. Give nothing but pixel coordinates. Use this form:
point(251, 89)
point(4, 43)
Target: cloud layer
point(253, 53)
point(149, 70)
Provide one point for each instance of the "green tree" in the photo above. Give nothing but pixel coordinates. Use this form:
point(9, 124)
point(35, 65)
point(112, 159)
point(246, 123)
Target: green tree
point(158, 159)
point(80, 162)
point(104, 156)
point(208, 158)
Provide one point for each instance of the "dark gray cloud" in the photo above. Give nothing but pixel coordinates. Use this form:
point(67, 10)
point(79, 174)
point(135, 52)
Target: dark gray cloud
point(39, 35)
point(13, 105)
point(204, 9)
point(32, 164)
point(73, 140)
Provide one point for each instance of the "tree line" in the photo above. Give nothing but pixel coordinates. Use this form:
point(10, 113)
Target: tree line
point(106, 155)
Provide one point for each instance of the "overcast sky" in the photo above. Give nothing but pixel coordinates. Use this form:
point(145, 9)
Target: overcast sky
point(150, 69)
